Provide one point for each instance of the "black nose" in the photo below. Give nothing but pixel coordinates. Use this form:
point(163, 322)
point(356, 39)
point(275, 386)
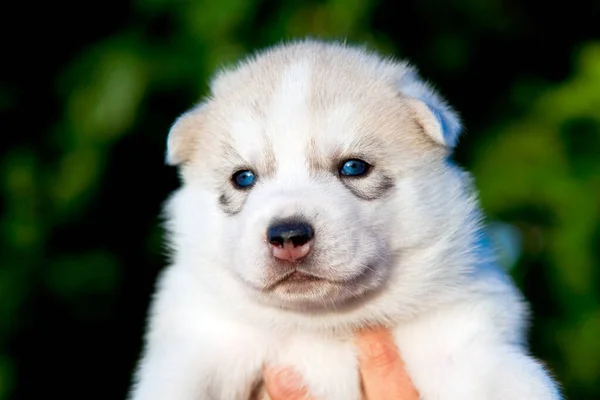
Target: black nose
point(293, 231)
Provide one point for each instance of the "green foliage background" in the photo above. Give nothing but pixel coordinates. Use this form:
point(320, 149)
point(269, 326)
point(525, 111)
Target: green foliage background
point(88, 94)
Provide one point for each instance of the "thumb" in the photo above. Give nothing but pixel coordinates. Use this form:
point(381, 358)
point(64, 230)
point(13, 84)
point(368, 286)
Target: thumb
point(381, 367)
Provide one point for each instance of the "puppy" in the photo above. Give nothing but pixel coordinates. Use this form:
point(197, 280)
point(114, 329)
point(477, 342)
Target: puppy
point(318, 199)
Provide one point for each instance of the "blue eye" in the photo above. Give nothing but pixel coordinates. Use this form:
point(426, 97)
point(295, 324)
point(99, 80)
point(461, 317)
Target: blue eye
point(244, 179)
point(354, 168)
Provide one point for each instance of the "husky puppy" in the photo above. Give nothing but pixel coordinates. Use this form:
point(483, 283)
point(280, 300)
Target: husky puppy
point(318, 198)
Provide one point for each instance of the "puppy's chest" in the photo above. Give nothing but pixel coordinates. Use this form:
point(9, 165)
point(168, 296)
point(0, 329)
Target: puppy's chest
point(329, 367)
point(260, 393)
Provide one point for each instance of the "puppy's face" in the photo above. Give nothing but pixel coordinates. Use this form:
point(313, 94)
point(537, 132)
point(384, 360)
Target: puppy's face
point(317, 171)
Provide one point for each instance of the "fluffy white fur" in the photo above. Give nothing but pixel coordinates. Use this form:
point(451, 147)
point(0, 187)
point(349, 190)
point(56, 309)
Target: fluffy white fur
point(400, 247)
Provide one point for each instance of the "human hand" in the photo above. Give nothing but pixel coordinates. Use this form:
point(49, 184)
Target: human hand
point(381, 370)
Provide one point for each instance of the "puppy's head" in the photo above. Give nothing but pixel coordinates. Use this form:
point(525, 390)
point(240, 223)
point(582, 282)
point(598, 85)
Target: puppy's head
point(309, 172)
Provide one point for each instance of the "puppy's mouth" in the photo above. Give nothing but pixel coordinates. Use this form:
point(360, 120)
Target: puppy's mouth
point(301, 290)
point(296, 277)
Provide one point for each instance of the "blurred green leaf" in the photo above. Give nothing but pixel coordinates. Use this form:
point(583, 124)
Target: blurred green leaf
point(546, 160)
point(74, 275)
point(6, 377)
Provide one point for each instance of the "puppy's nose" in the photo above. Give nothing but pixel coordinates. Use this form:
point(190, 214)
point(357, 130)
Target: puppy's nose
point(290, 240)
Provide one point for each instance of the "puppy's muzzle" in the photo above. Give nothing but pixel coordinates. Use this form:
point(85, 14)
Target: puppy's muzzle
point(290, 239)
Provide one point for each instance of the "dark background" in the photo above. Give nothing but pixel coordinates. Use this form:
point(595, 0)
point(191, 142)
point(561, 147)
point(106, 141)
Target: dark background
point(88, 92)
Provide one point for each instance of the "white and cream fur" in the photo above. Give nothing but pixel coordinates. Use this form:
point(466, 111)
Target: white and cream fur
point(401, 247)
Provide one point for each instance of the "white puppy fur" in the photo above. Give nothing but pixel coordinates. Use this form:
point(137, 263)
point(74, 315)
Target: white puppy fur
point(401, 246)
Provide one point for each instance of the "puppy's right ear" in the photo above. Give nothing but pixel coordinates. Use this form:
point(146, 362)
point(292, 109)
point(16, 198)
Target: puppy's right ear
point(183, 136)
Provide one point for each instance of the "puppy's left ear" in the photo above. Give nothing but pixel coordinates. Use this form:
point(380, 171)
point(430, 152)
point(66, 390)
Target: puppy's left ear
point(438, 119)
point(183, 136)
